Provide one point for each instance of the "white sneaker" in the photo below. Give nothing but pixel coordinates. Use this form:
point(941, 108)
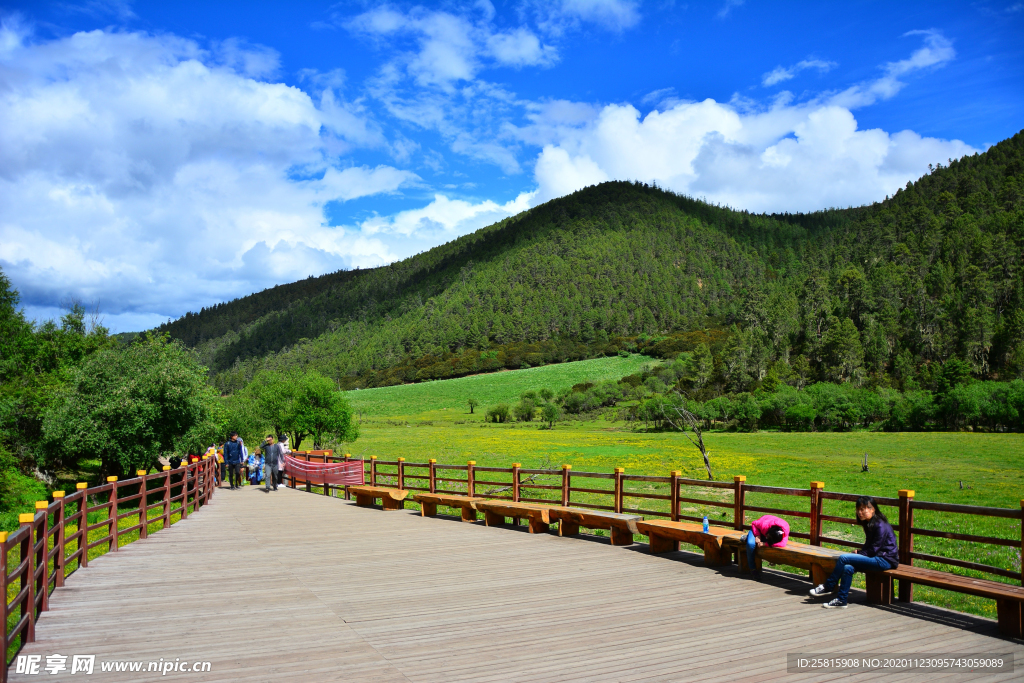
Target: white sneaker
point(834, 604)
point(819, 590)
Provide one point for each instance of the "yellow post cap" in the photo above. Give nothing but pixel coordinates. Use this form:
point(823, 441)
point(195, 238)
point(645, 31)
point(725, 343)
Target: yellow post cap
point(517, 464)
point(42, 505)
point(740, 477)
point(26, 518)
point(81, 485)
point(906, 493)
point(433, 460)
point(817, 484)
point(166, 467)
point(620, 470)
point(58, 494)
point(141, 473)
point(3, 536)
point(111, 478)
point(348, 455)
point(566, 467)
point(373, 457)
point(401, 460)
point(677, 473)
point(471, 462)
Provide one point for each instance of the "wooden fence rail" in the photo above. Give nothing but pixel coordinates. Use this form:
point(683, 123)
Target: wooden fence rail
point(732, 497)
point(54, 542)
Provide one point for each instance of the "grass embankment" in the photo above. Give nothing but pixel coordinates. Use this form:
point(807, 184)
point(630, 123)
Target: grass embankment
point(431, 420)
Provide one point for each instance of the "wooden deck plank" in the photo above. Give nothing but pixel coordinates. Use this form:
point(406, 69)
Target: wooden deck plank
point(291, 586)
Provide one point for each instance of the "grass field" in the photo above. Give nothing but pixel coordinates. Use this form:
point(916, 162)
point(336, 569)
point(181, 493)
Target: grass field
point(431, 420)
point(489, 389)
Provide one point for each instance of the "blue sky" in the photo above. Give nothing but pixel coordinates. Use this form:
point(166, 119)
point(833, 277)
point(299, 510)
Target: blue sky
point(160, 157)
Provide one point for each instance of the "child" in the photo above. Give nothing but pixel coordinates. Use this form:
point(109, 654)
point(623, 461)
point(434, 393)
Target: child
point(766, 530)
point(880, 552)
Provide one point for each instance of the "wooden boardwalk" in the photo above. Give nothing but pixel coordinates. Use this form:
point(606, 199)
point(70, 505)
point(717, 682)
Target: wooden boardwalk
point(290, 586)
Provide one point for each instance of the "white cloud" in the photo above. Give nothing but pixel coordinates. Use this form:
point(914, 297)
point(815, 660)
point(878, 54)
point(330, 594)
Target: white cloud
point(728, 7)
point(444, 218)
point(937, 51)
point(780, 73)
point(563, 15)
point(154, 176)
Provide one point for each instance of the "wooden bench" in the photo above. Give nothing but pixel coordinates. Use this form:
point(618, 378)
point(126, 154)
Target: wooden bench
point(819, 561)
point(1008, 598)
point(570, 520)
point(665, 535)
point(495, 512)
point(391, 499)
point(429, 502)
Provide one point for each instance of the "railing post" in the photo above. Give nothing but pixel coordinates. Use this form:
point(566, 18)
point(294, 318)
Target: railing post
point(619, 471)
point(3, 603)
point(373, 470)
point(515, 481)
point(58, 541)
point(83, 524)
point(816, 487)
point(906, 590)
point(433, 475)
point(167, 495)
point(470, 479)
point(143, 504)
point(401, 473)
point(309, 484)
point(737, 501)
point(112, 544)
point(43, 555)
point(566, 483)
point(184, 491)
point(674, 483)
point(28, 579)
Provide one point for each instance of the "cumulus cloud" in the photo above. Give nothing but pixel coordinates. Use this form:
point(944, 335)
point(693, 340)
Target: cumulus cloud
point(563, 15)
point(155, 176)
point(445, 218)
point(781, 73)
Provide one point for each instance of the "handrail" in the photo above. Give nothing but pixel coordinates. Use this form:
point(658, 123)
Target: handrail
point(722, 494)
point(56, 536)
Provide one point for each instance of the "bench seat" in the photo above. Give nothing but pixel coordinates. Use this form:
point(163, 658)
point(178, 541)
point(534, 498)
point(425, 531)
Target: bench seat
point(391, 499)
point(429, 502)
point(1008, 597)
point(495, 512)
point(570, 520)
point(665, 535)
point(821, 562)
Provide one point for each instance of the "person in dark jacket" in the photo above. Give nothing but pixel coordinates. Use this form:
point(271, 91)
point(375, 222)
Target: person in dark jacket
point(234, 456)
point(880, 552)
point(271, 456)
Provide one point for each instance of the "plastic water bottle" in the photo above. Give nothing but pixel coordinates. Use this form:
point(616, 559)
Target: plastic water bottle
point(705, 523)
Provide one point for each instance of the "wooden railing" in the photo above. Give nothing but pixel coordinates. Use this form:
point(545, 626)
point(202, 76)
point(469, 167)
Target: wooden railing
point(813, 508)
point(54, 542)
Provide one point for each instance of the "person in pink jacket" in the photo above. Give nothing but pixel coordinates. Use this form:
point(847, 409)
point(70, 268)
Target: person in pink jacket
point(767, 530)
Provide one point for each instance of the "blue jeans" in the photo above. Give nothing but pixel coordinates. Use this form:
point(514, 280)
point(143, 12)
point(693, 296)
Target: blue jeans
point(846, 565)
point(751, 547)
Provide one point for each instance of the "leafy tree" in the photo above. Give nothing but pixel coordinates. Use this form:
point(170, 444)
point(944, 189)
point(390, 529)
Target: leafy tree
point(551, 413)
point(525, 410)
point(321, 411)
point(701, 365)
point(473, 403)
point(127, 406)
point(499, 413)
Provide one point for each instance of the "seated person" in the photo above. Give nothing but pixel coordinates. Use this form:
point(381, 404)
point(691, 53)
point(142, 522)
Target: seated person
point(767, 530)
point(254, 467)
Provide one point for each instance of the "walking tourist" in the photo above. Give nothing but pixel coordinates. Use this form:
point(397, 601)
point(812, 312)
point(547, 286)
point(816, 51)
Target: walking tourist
point(234, 454)
point(282, 444)
point(270, 457)
point(767, 530)
point(879, 553)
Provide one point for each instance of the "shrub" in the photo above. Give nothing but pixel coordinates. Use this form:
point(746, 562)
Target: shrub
point(498, 413)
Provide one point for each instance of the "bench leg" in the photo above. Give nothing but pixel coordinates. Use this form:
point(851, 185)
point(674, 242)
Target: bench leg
point(428, 509)
point(538, 527)
point(1009, 615)
point(566, 528)
point(468, 515)
point(879, 588)
point(621, 536)
point(391, 504)
point(906, 591)
point(493, 518)
point(660, 544)
point(818, 574)
point(713, 555)
point(364, 501)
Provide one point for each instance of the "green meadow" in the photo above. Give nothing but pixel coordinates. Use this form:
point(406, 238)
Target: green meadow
point(432, 420)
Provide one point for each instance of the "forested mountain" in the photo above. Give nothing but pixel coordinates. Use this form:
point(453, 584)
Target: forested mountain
point(875, 294)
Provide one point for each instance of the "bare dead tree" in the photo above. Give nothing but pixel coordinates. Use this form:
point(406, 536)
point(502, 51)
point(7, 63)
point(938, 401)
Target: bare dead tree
point(680, 418)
